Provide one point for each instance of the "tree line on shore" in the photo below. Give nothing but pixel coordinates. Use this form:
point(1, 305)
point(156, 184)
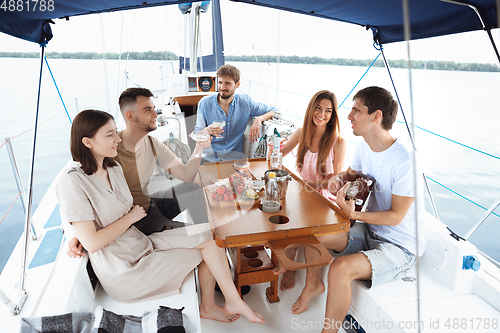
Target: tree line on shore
point(158, 55)
point(149, 55)
point(416, 64)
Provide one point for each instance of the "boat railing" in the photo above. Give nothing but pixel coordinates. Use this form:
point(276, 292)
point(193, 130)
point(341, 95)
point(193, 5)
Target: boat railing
point(483, 218)
point(21, 188)
point(19, 181)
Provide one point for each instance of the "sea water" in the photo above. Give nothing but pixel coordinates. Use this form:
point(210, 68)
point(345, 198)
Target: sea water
point(458, 106)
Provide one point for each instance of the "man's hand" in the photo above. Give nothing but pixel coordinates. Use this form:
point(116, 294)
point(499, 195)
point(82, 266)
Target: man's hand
point(214, 130)
point(255, 130)
point(75, 248)
point(347, 206)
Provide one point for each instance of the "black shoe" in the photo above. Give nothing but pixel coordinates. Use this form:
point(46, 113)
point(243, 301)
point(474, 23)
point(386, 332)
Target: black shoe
point(244, 289)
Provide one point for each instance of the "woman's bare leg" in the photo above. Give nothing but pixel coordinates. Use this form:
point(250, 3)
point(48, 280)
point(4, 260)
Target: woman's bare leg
point(208, 308)
point(216, 261)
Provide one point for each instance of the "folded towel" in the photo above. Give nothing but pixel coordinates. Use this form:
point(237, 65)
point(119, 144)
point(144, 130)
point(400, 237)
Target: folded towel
point(163, 320)
point(77, 322)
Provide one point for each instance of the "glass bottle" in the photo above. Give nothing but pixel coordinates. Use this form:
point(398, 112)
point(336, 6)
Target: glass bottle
point(276, 158)
point(272, 202)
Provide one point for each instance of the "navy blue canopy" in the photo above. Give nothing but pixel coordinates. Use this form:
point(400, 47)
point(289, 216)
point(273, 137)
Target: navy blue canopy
point(34, 24)
point(428, 18)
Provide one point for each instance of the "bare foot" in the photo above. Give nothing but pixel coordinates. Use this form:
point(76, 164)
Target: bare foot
point(242, 308)
point(218, 313)
point(307, 293)
point(288, 280)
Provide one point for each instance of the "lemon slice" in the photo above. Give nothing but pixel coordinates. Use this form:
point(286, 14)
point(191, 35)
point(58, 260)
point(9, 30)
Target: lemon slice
point(251, 194)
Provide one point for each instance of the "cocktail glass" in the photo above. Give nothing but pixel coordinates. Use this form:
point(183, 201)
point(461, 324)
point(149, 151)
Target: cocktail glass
point(241, 165)
point(219, 123)
point(200, 136)
point(258, 185)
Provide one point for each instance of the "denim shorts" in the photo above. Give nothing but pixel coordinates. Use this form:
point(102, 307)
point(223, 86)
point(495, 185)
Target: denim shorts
point(388, 260)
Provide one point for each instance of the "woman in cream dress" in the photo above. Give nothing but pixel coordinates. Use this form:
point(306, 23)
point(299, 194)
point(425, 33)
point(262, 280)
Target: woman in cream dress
point(131, 266)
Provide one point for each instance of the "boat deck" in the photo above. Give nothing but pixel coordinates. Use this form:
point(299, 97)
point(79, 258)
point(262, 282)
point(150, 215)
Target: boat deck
point(448, 297)
point(279, 316)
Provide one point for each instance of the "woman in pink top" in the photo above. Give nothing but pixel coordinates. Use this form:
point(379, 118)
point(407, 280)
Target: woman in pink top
point(321, 153)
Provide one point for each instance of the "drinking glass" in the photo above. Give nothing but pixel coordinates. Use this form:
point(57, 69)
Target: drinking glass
point(200, 136)
point(219, 123)
point(241, 165)
point(258, 185)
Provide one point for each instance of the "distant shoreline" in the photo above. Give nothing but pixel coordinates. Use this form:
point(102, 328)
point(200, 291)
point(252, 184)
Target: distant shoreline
point(156, 55)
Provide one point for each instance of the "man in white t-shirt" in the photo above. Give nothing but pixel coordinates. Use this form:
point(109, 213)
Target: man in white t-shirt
point(138, 153)
point(385, 245)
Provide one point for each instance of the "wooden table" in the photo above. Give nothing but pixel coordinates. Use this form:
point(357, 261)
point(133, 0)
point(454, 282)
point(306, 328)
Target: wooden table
point(309, 214)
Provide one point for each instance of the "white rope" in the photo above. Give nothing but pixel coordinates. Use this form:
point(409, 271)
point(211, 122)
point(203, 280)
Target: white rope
point(119, 63)
point(186, 21)
point(253, 49)
point(200, 53)
point(106, 84)
point(278, 59)
point(129, 46)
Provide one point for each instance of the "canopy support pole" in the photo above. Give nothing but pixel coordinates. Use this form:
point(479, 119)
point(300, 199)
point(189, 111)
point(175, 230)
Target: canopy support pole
point(23, 291)
point(397, 97)
point(481, 19)
point(488, 31)
point(411, 129)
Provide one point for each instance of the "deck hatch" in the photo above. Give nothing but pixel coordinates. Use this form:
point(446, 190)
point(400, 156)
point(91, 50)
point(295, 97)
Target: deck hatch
point(54, 220)
point(47, 251)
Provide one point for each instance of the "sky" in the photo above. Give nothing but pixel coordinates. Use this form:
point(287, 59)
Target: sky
point(248, 30)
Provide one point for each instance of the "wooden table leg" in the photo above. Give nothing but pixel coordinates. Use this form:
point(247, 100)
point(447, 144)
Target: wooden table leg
point(252, 265)
point(272, 290)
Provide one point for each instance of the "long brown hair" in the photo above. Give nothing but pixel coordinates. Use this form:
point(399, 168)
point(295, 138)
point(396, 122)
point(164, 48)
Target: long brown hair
point(86, 124)
point(308, 129)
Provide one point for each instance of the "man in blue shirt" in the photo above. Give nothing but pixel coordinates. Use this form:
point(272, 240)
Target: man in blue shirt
point(235, 110)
